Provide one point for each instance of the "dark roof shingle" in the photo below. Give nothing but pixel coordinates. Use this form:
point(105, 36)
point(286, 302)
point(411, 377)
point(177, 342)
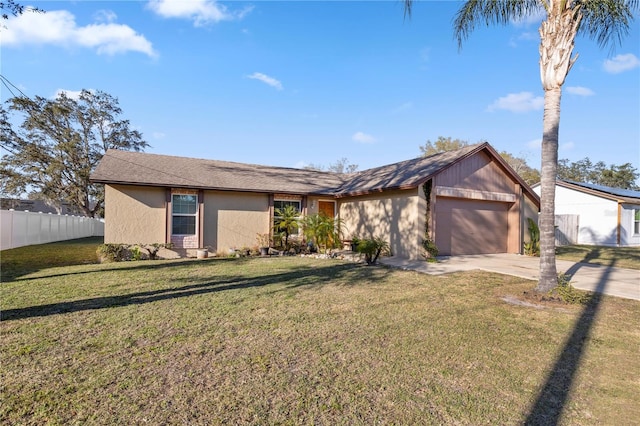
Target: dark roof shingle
point(139, 168)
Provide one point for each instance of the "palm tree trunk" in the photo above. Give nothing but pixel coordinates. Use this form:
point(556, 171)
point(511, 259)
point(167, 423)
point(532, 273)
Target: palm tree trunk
point(551, 124)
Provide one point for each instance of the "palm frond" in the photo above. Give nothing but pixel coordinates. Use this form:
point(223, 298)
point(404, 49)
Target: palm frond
point(492, 12)
point(607, 21)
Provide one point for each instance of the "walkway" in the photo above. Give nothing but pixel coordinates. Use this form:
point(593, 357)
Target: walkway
point(620, 282)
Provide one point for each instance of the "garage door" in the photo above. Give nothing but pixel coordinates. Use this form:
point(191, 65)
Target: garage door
point(471, 226)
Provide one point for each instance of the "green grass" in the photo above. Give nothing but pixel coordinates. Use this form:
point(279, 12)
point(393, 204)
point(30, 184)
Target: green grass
point(23, 260)
point(621, 257)
point(304, 341)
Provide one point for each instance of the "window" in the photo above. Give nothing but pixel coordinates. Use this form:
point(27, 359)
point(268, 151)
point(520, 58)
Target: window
point(184, 210)
point(279, 206)
point(636, 221)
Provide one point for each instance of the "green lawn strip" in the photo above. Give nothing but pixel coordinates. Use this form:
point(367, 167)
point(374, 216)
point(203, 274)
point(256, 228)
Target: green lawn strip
point(621, 257)
point(23, 260)
point(297, 341)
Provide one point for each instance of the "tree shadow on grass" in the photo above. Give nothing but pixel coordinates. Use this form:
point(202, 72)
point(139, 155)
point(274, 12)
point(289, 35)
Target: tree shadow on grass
point(548, 407)
point(295, 277)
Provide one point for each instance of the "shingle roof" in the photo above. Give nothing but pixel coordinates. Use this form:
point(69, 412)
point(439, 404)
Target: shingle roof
point(139, 168)
point(405, 174)
point(136, 168)
point(627, 195)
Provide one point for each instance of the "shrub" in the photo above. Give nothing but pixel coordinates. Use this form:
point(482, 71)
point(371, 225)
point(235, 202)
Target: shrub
point(430, 248)
point(532, 248)
point(123, 252)
point(568, 293)
point(372, 249)
point(113, 252)
point(324, 231)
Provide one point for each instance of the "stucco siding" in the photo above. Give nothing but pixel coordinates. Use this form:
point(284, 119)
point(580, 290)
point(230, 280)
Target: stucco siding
point(232, 219)
point(530, 210)
point(134, 214)
point(392, 215)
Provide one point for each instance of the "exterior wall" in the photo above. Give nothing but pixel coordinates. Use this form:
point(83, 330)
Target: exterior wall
point(233, 219)
point(134, 214)
point(483, 179)
point(627, 237)
point(392, 215)
point(313, 203)
point(530, 210)
point(598, 216)
point(479, 173)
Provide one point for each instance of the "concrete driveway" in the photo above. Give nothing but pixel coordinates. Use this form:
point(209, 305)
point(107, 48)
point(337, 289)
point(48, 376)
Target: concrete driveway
point(618, 282)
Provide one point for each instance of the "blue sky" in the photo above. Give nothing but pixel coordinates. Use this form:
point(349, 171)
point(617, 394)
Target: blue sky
point(298, 82)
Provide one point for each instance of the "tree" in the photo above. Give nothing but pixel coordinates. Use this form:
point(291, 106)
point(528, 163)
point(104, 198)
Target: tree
point(617, 176)
point(519, 164)
point(341, 166)
point(287, 220)
point(606, 21)
point(15, 9)
point(59, 144)
point(442, 144)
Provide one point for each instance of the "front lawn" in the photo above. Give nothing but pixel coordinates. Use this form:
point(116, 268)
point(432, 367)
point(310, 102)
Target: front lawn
point(620, 257)
point(307, 341)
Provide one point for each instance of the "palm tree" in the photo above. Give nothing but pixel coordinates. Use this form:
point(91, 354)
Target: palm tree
point(286, 220)
point(606, 21)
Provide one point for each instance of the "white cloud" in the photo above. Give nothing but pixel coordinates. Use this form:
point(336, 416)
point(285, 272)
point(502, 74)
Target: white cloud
point(401, 108)
point(266, 79)
point(158, 135)
point(518, 102)
point(580, 91)
point(535, 144)
point(525, 36)
point(536, 17)
point(566, 146)
point(58, 27)
point(621, 63)
point(71, 94)
point(201, 12)
point(362, 137)
point(104, 15)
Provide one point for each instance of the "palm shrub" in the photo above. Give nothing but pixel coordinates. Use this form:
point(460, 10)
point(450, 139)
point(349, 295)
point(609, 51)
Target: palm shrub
point(287, 221)
point(532, 248)
point(324, 231)
point(372, 249)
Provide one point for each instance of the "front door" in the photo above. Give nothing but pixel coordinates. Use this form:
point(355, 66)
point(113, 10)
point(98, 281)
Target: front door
point(327, 208)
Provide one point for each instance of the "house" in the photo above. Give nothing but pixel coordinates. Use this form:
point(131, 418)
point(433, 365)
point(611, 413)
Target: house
point(472, 201)
point(605, 216)
point(36, 206)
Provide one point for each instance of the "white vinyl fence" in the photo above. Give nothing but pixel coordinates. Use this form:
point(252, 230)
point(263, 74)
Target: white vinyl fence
point(19, 229)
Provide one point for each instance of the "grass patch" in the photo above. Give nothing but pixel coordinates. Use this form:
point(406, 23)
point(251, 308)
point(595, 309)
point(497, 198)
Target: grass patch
point(624, 257)
point(23, 260)
point(301, 341)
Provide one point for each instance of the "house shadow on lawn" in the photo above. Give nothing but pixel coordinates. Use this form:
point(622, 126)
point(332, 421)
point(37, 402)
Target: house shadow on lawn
point(548, 407)
point(298, 277)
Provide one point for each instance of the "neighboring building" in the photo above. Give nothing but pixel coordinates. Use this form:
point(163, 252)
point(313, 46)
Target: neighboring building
point(477, 203)
point(606, 216)
point(35, 206)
